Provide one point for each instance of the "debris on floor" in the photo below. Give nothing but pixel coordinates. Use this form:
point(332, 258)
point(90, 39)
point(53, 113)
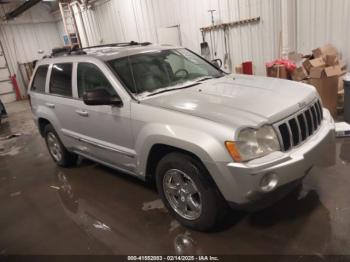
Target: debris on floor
point(18, 193)
point(156, 204)
point(10, 136)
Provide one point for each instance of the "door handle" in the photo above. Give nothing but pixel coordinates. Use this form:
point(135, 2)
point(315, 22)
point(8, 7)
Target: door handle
point(82, 112)
point(50, 105)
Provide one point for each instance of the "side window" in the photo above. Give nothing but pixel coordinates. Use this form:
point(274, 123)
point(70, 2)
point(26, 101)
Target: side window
point(61, 79)
point(40, 79)
point(90, 78)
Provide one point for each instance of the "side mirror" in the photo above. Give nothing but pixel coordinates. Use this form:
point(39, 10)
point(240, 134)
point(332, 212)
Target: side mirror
point(101, 98)
point(217, 63)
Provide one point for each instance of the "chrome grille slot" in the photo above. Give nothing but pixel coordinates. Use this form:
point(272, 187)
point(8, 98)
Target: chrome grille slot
point(319, 110)
point(296, 129)
point(314, 118)
point(283, 129)
point(309, 123)
point(303, 129)
point(320, 106)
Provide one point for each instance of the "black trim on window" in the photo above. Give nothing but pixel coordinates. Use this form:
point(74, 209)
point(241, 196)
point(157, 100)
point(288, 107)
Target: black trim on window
point(41, 91)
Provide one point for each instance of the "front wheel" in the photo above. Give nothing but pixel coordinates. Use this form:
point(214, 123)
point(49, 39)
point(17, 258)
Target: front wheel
point(189, 193)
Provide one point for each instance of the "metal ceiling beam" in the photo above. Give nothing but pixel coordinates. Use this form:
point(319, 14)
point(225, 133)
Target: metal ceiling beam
point(20, 9)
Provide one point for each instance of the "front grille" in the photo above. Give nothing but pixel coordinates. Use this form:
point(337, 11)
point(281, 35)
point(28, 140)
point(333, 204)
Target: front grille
point(294, 130)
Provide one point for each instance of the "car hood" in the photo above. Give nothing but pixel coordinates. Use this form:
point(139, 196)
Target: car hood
point(238, 100)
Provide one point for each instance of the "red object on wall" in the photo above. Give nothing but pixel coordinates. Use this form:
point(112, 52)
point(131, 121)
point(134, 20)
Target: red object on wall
point(247, 68)
point(15, 87)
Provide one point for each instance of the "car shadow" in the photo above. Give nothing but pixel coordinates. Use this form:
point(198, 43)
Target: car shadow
point(345, 152)
point(5, 128)
point(87, 163)
point(289, 208)
point(293, 206)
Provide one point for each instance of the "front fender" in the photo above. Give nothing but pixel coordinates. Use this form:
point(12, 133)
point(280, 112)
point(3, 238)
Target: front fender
point(200, 143)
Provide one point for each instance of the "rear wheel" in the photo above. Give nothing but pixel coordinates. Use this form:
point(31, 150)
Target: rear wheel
point(189, 193)
point(57, 150)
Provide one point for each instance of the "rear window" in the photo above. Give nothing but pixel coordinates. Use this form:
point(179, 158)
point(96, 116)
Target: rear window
point(61, 79)
point(40, 79)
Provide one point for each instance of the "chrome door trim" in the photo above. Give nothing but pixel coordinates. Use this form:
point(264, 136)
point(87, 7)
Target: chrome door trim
point(113, 149)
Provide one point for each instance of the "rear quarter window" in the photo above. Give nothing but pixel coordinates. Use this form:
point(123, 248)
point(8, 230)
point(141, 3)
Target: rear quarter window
point(39, 80)
point(61, 79)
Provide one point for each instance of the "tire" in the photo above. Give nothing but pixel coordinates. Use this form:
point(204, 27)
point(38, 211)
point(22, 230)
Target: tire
point(204, 209)
point(58, 152)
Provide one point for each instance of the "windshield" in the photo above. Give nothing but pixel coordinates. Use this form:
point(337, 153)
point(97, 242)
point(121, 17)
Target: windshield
point(164, 69)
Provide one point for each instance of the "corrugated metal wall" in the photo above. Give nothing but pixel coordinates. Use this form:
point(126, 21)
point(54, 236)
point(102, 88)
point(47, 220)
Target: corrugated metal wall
point(119, 20)
point(23, 37)
point(321, 22)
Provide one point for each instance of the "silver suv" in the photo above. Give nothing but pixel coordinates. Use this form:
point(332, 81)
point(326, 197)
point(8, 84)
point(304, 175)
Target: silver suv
point(209, 140)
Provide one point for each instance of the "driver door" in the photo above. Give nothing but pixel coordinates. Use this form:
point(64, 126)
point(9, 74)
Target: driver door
point(104, 131)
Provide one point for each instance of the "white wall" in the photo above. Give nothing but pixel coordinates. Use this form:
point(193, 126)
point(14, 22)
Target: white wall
point(321, 22)
point(24, 36)
point(138, 20)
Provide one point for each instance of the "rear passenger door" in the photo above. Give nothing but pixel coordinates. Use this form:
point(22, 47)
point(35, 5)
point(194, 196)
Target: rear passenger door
point(105, 131)
point(61, 104)
point(37, 89)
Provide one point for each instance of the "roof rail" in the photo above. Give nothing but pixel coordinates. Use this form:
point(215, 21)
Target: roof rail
point(131, 43)
point(66, 51)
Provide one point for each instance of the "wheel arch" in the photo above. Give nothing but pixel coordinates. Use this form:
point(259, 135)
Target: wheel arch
point(42, 123)
point(160, 150)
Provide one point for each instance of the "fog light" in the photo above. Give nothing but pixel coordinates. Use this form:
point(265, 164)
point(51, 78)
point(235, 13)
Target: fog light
point(269, 182)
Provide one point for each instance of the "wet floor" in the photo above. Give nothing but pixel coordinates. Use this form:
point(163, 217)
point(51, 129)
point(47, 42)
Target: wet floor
point(91, 209)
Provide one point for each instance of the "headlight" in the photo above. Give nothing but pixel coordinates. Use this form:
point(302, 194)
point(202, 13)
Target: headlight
point(254, 143)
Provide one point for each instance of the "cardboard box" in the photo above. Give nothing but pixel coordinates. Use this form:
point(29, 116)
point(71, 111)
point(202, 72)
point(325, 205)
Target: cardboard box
point(331, 60)
point(239, 69)
point(326, 50)
point(317, 72)
point(327, 88)
point(333, 71)
point(317, 62)
point(299, 74)
point(307, 65)
point(277, 71)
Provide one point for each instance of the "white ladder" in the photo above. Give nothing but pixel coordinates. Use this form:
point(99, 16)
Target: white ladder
point(69, 24)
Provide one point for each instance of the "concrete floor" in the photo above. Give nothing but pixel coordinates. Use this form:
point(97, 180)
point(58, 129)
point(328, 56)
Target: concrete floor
point(91, 209)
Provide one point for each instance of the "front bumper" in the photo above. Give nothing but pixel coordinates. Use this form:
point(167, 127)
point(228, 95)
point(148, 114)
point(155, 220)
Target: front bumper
point(239, 183)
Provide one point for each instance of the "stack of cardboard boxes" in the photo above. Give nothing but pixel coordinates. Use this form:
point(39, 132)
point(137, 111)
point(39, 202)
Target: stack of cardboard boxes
point(323, 69)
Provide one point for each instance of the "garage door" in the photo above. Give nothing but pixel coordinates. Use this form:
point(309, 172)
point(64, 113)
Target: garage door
point(6, 90)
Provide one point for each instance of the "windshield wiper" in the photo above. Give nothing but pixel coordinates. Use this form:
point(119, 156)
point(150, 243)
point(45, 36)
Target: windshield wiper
point(173, 89)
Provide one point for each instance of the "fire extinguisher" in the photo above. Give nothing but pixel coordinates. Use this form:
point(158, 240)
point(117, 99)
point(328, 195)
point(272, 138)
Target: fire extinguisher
point(15, 87)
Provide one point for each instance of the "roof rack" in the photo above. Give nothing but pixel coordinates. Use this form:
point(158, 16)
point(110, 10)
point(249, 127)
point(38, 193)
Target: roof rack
point(131, 43)
point(75, 50)
point(66, 51)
